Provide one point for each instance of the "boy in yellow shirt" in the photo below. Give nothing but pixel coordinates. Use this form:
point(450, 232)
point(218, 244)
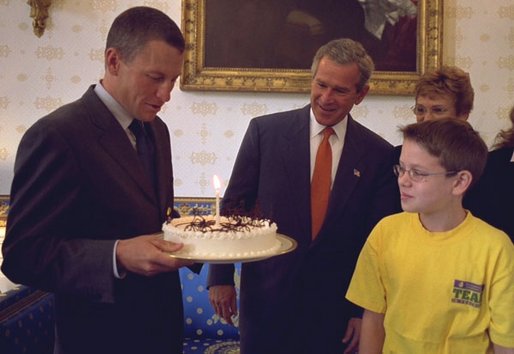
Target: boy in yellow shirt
point(435, 279)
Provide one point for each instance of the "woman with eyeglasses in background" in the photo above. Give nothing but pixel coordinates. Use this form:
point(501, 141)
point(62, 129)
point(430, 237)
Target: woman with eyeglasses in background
point(444, 93)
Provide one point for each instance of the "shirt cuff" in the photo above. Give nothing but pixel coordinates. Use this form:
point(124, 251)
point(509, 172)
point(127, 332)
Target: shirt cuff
point(117, 275)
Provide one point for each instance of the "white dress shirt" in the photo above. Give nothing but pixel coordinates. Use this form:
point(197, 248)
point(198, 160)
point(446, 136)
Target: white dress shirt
point(121, 115)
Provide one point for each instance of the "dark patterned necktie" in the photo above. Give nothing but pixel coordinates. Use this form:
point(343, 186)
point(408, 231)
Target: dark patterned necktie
point(144, 147)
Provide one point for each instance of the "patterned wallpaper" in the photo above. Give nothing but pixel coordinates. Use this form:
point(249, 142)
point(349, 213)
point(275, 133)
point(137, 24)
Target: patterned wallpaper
point(38, 75)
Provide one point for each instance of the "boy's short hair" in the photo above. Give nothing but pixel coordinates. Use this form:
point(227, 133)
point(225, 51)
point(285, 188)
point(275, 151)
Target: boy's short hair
point(448, 81)
point(453, 141)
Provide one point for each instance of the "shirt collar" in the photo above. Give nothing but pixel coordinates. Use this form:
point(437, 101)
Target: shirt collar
point(116, 109)
point(316, 128)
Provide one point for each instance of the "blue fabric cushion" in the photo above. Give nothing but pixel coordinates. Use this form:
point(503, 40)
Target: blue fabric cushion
point(17, 293)
point(210, 346)
point(26, 321)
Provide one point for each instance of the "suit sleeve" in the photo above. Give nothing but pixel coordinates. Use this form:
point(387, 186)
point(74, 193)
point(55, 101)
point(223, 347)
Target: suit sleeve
point(386, 199)
point(40, 248)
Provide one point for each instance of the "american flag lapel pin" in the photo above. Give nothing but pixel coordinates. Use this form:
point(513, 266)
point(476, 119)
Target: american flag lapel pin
point(356, 172)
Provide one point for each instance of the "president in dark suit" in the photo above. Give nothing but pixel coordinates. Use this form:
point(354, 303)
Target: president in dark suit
point(86, 204)
point(294, 303)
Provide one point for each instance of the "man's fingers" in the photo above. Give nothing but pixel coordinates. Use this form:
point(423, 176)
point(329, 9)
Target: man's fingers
point(224, 302)
point(166, 246)
point(226, 314)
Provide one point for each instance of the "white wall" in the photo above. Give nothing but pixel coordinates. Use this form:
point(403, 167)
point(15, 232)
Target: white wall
point(39, 74)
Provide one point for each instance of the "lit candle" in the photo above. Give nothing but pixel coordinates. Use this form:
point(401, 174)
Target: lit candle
point(217, 187)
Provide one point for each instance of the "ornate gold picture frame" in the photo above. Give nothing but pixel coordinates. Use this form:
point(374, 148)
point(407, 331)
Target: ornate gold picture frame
point(4, 209)
point(198, 75)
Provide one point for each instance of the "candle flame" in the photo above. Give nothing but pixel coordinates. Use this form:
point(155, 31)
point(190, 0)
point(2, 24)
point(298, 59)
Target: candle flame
point(216, 182)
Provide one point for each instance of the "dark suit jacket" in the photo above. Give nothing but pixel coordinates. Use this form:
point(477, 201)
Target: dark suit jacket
point(295, 303)
point(396, 156)
point(79, 186)
point(491, 199)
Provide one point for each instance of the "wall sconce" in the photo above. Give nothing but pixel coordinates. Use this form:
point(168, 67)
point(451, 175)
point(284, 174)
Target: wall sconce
point(39, 12)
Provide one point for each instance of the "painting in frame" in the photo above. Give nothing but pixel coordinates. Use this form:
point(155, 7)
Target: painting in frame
point(268, 45)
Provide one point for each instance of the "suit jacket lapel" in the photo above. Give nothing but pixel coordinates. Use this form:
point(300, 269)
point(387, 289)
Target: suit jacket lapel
point(296, 161)
point(115, 142)
point(348, 171)
point(162, 161)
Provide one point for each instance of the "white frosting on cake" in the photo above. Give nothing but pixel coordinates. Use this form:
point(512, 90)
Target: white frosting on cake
point(234, 237)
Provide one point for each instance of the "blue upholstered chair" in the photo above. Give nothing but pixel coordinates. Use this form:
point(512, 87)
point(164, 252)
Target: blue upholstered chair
point(26, 321)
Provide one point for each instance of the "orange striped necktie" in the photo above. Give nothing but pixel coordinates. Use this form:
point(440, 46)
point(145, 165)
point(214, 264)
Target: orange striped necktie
point(321, 181)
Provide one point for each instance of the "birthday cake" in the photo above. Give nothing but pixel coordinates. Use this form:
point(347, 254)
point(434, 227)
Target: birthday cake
point(232, 237)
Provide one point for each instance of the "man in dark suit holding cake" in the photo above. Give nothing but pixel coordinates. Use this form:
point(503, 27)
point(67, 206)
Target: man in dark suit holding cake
point(325, 180)
point(93, 183)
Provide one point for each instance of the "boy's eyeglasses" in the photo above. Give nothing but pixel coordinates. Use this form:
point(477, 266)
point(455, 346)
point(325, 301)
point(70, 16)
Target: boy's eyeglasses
point(422, 110)
point(418, 176)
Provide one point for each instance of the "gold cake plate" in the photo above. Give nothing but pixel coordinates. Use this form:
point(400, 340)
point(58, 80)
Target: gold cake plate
point(287, 244)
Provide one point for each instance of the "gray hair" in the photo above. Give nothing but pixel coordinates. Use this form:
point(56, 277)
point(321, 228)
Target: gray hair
point(346, 51)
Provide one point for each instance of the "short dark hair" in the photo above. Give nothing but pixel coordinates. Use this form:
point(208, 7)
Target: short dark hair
point(134, 28)
point(453, 141)
point(346, 51)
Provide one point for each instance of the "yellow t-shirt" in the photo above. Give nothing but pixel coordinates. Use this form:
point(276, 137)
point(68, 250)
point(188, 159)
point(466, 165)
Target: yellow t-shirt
point(441, 292)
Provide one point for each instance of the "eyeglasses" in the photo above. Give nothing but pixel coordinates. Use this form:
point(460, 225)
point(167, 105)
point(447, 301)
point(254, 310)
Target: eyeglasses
point(420, 110)
point(419, 176)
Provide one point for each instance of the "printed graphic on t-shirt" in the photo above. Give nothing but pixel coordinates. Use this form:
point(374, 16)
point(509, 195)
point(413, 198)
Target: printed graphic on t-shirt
point(465, 292)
